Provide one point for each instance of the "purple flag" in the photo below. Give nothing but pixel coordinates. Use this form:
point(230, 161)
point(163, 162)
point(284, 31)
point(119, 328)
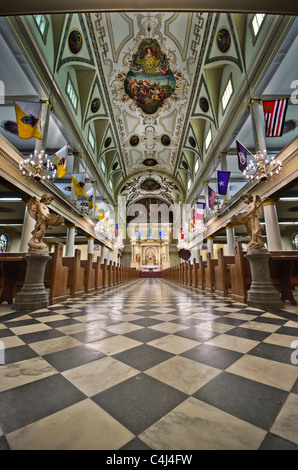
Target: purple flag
point(223, 181)
point(242, 156)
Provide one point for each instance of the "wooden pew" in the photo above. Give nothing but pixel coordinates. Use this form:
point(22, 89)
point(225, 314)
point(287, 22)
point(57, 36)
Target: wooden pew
point(89, 274)
point(98, 274)
point(201, 273)
point(222, 273)
point(284, 273)
point(105, 279)
point(240, 275)
point(195, 273)
point(13, 271)
point(76, 274)
point(56, 276)
point(209, 274)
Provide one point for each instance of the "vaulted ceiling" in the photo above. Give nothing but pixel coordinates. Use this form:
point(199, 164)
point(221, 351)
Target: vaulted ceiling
point(149, 88)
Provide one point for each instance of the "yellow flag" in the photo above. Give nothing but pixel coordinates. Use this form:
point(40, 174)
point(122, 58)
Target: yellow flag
point(78, 183)
point(100, 212)
point(61, 161)
point(28, 119)
point(89, 195)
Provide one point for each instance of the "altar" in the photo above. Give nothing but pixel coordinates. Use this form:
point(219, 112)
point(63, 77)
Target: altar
point(150, 255)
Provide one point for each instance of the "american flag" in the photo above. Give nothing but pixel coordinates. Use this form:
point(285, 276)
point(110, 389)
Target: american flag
point(274, 115)
point(211, 197)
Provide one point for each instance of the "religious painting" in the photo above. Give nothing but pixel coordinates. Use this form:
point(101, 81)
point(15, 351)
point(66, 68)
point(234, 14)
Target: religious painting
point(108, 142)
point(192, 141)
point(149, 81)
point(204, 105)
point(95, 105)
point(75, 41)
point(150, 185)
point(150, 162)
point(223, 40)
point(134, 140)
point(165, 140)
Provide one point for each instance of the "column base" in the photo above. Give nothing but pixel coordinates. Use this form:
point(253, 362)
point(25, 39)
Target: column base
point(262, 293)
point(33, 295)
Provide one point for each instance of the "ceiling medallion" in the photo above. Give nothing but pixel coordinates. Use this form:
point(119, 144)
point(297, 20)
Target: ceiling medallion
point(75, 41)
point(150, 185)
point(165, 140)
point(95, 105)
point(150, 162)
point(134, 140)
point(149, 81)
point(223, 40)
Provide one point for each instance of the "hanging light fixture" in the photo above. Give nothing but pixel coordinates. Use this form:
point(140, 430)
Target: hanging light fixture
point(262, 168)
point(101, 227)
point(38, 167)
point(199, 227)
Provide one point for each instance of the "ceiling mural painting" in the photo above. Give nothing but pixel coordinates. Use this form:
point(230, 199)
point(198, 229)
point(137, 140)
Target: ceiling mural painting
point(149, 81)
point(157, 186)
point(148, 68)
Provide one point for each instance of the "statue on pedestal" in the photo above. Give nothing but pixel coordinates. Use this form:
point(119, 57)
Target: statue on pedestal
point(250, 219)
point(39, 211)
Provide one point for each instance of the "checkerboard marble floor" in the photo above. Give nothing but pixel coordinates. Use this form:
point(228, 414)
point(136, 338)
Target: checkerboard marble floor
point(149, 365)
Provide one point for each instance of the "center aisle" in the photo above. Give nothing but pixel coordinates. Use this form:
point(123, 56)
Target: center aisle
point(149, 365)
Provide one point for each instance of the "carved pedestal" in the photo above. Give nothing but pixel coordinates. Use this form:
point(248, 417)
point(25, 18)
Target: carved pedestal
point(262, 293)
point(33, 295)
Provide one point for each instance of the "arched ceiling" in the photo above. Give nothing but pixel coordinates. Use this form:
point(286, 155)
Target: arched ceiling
point(149, 84)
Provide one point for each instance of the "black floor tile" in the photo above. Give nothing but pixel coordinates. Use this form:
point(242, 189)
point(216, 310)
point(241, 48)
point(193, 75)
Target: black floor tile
point(143, 357)
point(251, 401)
point(73, 357)
point(273, 442)
point(219, 358)
point(272, 352)
point(139, 402)
point(23, 405)
point(19, 353)
point(145, 335)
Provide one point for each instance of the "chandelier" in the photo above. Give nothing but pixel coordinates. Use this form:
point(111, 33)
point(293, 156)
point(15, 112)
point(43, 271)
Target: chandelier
point(101, 227)
point(262, 168)
point(183, 244)
point(38, 167)
point(199, 227)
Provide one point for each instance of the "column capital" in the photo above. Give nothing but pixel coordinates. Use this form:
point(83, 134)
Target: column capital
point(269, 201)
point(253, 100)
point(90, 238)
point(210, 237)
point(229, 225)
point(70, 224)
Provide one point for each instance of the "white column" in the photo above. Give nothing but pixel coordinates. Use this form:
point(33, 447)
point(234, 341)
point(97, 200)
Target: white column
point(102, 254)
point(210, 245)
point(230, 239)
point(90, 245)
point(28, 227)
point(271, 222)
point(257, 118)
point(70, 240)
